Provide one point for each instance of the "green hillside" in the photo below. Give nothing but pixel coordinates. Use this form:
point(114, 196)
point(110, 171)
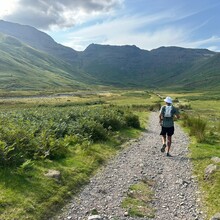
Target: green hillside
point(31, 60)
point(131, 66)
point(38, 40)
point(116, 65)
point(25, 68)
point(203, 75)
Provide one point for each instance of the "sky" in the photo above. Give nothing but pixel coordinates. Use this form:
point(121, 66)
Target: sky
point(148, 24)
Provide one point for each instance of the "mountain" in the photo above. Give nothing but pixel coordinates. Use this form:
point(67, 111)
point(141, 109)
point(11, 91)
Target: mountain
point(23, 67)
point(35, 60)
point(38, 40)
point(115, 65)
point(203, 75)
point(129, 65)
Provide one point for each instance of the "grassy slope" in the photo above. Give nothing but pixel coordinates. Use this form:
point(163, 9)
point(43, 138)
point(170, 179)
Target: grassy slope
point(201, 154)
point(203, 75)
point(25, 68)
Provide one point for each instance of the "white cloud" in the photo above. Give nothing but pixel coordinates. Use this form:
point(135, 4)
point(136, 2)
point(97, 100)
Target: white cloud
point(146, 32)
point(135, 30)
point(7, 7)
point(211, 43)
point(59, 13)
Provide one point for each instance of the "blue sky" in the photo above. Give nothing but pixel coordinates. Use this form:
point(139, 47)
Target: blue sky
point(148, 24)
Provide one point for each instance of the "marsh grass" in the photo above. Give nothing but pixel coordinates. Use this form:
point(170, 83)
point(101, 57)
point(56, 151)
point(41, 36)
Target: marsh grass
point(197, 127)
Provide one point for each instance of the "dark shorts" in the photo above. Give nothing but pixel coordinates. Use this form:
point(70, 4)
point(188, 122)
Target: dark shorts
point(167, 131)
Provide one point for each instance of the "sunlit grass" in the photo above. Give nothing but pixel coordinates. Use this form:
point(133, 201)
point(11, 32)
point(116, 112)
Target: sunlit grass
point(26, 193)
point(201, 155)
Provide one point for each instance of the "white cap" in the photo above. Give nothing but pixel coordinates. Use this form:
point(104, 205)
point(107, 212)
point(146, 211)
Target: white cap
point(168, 100)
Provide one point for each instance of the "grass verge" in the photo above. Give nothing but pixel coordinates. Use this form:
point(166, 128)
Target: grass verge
point(28, 194)
point(201, 155)
point(138, 200)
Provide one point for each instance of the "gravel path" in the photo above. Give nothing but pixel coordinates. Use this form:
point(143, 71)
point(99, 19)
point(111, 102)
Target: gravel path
point(175, 189)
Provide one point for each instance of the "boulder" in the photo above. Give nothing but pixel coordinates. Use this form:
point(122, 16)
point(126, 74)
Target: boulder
point(216, 216)
point(55, 174)
point(215, 159)
point(211, 168)
point(95, 217)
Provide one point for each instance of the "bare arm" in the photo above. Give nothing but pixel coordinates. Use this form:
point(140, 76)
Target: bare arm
point(177, 116)
point(160, 118)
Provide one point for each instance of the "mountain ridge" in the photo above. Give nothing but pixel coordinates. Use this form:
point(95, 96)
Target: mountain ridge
point(23, 67)
point(123, 66)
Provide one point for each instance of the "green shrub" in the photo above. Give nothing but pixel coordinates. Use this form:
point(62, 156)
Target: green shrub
point(197, 127)
point(185, 106)
point(25, 168)
point(9, 155)
point(34, 134)
point(154, 107)
point(132, 121)
point(91, 129)
point(113, 123)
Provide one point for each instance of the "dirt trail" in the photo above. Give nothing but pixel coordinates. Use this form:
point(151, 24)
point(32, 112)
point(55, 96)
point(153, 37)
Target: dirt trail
point(176, 192)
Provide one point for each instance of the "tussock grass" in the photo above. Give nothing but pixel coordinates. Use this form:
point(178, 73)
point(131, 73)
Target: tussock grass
point(197, 127)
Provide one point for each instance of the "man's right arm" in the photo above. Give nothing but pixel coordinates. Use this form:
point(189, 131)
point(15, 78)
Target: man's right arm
point(160, 116)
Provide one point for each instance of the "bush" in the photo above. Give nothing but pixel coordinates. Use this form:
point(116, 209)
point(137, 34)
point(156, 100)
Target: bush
point(132, 121)
point(34, 134)
point(185, 106)
point(9, 155)
point(154, 107)
point(92, 129)
point(197, 127)
point(112, 123)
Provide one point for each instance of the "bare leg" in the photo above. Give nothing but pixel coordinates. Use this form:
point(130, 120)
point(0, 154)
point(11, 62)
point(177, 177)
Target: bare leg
point(164, 143)
point(164, 139)
point(169, 141)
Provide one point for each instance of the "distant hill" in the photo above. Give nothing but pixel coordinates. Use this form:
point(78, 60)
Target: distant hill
point(31, 59)
point(203, 75)
point(38, 40)
point(129, 65)
point(22, 67)
point(116, 65)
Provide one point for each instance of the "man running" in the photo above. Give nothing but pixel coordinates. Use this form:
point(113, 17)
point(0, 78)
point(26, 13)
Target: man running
point(167, 113)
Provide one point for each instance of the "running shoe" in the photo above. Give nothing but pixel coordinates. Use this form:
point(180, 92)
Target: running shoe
point(163, 148)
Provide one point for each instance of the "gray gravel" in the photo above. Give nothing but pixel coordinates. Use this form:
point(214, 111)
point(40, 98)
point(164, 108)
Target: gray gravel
point(176, 192)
